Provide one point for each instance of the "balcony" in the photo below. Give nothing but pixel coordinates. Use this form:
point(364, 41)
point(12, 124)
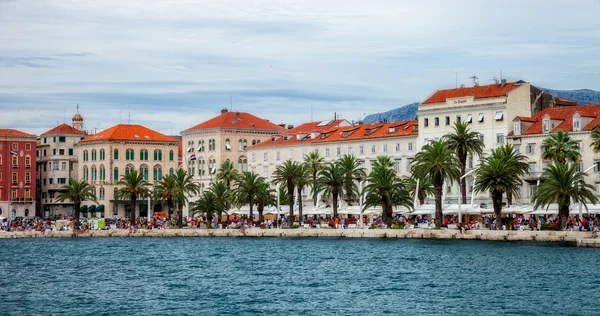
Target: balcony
point(532, 176)
point(15, 166)
point(22, 200)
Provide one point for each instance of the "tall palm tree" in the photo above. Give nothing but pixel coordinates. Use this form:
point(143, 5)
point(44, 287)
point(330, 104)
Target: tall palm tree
point(184, 186)
point(497, 174)
point(286, 175)
point(228, 173)
point(424, 189)
point(77, 191)
point(208, 204)
point(314, 162)
point(464, 142)
point(560, 148)
point(166, 190)
point(436, 161)
point(386, 190)
point(517, 161)
point(264, 196)
point(353, 173)
point(302, 181)
point(595, 138)
point(246, 189)
point(562, 184)
point(331, 181)
point(383, 162)
point(132, 187)
point(222, 197)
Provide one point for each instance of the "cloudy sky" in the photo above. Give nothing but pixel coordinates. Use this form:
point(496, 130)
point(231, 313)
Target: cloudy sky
point(173, 64)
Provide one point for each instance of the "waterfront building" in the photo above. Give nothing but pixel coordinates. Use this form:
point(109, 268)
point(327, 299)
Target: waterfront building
point(335, 138)
point(488, 109)
point(221, 138)
point(103, 158)
point(528, 133)
point(57, 163)
point(17, 173)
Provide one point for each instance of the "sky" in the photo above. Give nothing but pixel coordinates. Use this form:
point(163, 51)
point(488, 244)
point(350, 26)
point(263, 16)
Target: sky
point(170, 65)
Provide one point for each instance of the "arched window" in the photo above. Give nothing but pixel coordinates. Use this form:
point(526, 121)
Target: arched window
point(201, 145)
point(240, 164)
point(85, 155)
point(144, 171)
point(102, 173)
point(93, 155)
point(201, 167)
point(171, 156)
point(101, 197)
point(129, 168)
point(245, 144)
point(102, 154)
point(116, 174)
point(158, 155)
point(240, 146)
point(171, 171)
point(212, 165)
point(129, 154)
point(94, 173)
point(86, 174)
point(245, 164)
point(253, 142)
point(116, 154)
point(227, 145)
point(144, 154)
point(157, 174)
point(211, 144)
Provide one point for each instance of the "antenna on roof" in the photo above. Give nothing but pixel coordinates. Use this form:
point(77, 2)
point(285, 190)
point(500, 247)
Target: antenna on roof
point(495, 80)
point(474, 78)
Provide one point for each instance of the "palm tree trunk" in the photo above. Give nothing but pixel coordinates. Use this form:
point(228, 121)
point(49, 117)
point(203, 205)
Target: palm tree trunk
point(463, 182)
point(301, 219)
point(290, 188)
point(335, 203)
point(437, 191)
point(132, 215)
point(497, 201)
point(386, 211)
point(250, 198)
point(77, 206)
point(314, 176)
point(170, 206)
point(563, 215)
point(421, 197)
point(260, 208)
point(180, 215)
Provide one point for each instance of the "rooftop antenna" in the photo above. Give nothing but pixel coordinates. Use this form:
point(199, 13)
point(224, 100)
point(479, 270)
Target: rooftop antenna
point(474, 78)
point(495, 80)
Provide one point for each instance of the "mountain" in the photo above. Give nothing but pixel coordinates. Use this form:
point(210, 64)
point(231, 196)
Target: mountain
point(405, 113)
point(409, 111)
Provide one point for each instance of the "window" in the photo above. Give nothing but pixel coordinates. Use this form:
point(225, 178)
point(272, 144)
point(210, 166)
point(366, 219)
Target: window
point(480, 118)
point(373, 149)
point(338, 151)
point(436, 121)
point(62, 139)
point(144, 172)
point(545, 126)
point(425, 141)
point(397, 164)
point(361, 149)
point(64, 165)
point(15, 146)
point(410, 146)
point(227, 145)
point(116, 174)
point(201, 145)
point(531, 167)
point(102, 154)
point(94, 173)
point(397, 147)
point(500, 138)
point(93, 155)
point(265, 157)
point(499, 116)
point(469, 118)
point(530, 149)
point(470, 162)
point(253, 157)
point(45, 140)
point(85, 155)
point(242, 164)
point(517, 128)
point(86, 174)
point(116, 154)
point(27, 146)
point(27, 194)
point(576, 124)
point(171, 155)
point(129, 169)
point(27, 161)
point(326, 152)
point(27, 177)
point(211, 144)
point(349, 150)
point(54, 151)
point(55, 167)
point(447, 120)
point(61, 181)
point(158, 155)
point(157, 173)
point(277, 156)
point(102, 173)
point(171, 171)
point(50, 180)
point(101, 195)
point(144, 154)
point(518, 148)
point(385, 148)
point(129, 154)
point(15, 195)
point(458, 118)
point(426, 122)
point(202, 167)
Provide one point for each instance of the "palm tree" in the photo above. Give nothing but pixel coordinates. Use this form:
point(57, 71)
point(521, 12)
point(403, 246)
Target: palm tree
point(208, 204)
point(498, 173)
point(314, 162)
point(222, 197)
point(228, 173)
point(353, 172)
point(595, 138)
point(436, 161)
point(287, 174)
point(185, 186)
point(132, 187)
point(302, 181)
point(264, 196)
point(386, 190)
point(562, 184)
point(560, 148)
point(77, 191)
point(464, 142)
point(424, 189)
point(246, 189)
point(331, 181)
point(166, 190)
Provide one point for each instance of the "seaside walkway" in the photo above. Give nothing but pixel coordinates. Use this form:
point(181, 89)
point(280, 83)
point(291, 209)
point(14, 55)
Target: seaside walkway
point(581, 239)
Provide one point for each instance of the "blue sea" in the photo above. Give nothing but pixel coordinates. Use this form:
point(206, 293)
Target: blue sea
point(262, 276)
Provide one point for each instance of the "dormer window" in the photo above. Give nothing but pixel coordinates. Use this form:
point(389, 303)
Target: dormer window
point(392, 129)
point(545, 126)
point(576, 124)
point(517, 128)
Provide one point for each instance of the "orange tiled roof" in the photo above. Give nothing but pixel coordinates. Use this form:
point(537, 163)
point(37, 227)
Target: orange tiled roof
point(565, 115)
point(478, 92)
point(131, 133)
point(525, 119)
point(14, 132)
point(237, 120)
point(65, 129)
point(565, 100)
point(311, 127)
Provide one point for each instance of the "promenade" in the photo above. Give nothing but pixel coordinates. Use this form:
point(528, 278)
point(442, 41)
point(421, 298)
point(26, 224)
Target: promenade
point(581, 239)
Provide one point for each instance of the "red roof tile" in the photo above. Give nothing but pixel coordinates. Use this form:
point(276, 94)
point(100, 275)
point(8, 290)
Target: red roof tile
point(565, 100)
point(65, 129)
point(565, 115)
point(237, 120)
point(320, 126)
point(131, 133)
point(14, 132)
point(525, 119)
point(478, 92)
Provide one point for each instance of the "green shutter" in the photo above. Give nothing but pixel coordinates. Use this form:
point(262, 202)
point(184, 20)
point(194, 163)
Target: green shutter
point(116, 175)
point(116, 155)
point(171, 155)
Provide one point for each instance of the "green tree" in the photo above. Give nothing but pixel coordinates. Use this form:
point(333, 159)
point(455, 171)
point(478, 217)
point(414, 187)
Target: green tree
point(464, 142)
point(264, 196)
point(166, 190)
point(353, 173)
point(331, 182)
point(286, 175)
point(222, 197)
point(385, 189)
point(314, 162)
point(185, 186)
point(498, 173)
point(595, 138)
point(77, 191)
point(208, 204)
point(302, 181)
point(425, 188)
point(436, 161)
point(246, 189)
point(560, 148)
point(562, 184)
point(228, 173)
point(132, 187)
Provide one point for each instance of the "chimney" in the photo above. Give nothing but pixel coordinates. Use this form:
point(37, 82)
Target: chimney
point(237, 115)
point(503, 83)
point(290, 126)
point(281, 125)
point(223, 111)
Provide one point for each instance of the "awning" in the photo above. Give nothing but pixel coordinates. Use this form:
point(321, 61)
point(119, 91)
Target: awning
point(92, 208)
point(83, 209)
point(100, 208)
